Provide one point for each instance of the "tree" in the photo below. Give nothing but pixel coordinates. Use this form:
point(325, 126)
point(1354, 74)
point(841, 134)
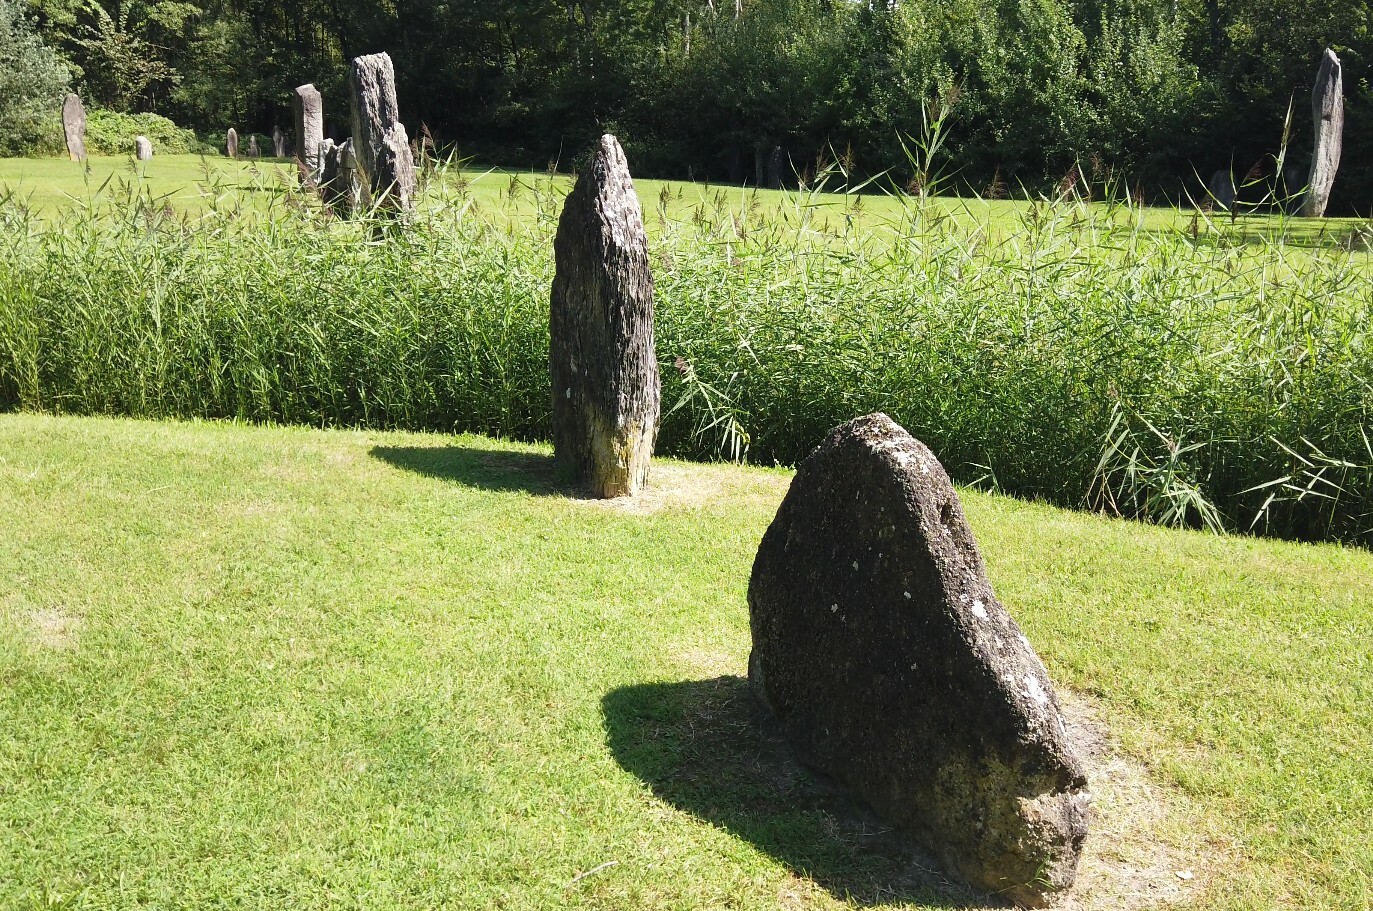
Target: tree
point(32, 81)
point(122, 69)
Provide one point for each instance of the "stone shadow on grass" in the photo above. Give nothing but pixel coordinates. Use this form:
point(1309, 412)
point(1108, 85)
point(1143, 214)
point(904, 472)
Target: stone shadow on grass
point(706, 747)
point(488, 469)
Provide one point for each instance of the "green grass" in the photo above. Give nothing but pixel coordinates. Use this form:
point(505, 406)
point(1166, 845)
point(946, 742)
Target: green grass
point(266, 668)
point(1057, 350)
point(190, 184)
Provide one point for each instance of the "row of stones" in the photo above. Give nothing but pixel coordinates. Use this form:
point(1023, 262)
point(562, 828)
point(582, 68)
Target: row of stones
point(375, 166)
point(379, 148)
point(878, 643)
point(278, 144)
point(375, 118)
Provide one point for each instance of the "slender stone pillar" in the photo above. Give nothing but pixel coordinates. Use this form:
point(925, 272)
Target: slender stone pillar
point(278, 143)
point(74, 126)
point(309, 116)
point(380, 144)
point(231, 143)
point(1327, 111)
point(253, 150)
point(602, 363)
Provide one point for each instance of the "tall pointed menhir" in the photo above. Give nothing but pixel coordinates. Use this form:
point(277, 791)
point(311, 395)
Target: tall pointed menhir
point(1327, 111)
point(379, 139)
point(601, 358)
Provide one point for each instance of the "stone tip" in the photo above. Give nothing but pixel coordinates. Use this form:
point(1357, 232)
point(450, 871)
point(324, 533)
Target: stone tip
point(380, 56)
point(610, 147)
point(1330, 64)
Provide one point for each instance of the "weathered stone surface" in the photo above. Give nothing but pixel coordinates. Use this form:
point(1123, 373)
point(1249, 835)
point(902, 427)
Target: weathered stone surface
point(1222, 190)
point(231, 143)
point(74, 126)
point(338, 179)
point(143, 148)
point(379, 141)
point(601, 359)
point(278, 143)
point(882, 651)
point(253, 150)
point(309, 122)
point(1327, 112)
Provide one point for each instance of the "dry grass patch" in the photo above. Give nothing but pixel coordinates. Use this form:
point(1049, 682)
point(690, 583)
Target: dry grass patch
point(53, 628)
point(682, 485)
point(1144, 850)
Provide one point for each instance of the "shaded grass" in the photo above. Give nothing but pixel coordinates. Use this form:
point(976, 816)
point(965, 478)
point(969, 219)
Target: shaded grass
point(298, 673)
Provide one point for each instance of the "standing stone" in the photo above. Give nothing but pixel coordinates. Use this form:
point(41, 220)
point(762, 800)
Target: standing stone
point(338, 180)
point(1327, 111)
point(231, 143)
point(74, 126)
point(253, 151)
point(775, 161)
point(380, 144)
point(309, 116)
point(601, 359)
point(1222, 190)
point(278, 143)
point(326, 178)
point(143, 148)
point(892, 668)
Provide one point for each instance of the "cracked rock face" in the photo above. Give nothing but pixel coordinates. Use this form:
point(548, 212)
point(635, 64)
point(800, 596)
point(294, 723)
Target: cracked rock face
point(880, 647)
point(602, 365)
point(380, 143)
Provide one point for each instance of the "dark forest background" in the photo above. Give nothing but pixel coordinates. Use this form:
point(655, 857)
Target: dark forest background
point(1159, 90)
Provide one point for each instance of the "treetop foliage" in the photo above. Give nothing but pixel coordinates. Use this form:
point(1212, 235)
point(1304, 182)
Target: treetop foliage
point(1165, 91)
point(32, 80)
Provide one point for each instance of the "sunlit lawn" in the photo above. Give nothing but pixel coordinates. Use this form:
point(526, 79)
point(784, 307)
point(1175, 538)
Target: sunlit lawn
point(290, 668)
point(190, 184)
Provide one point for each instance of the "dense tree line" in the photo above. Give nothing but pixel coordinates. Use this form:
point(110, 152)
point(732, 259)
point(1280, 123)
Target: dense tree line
point(1160, 90)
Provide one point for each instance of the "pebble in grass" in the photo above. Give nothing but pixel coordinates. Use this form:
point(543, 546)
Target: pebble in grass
point(882, 651)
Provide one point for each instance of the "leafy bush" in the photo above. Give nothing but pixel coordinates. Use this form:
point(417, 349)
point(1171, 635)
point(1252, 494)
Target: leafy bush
point(32, 82)
point(111, 133)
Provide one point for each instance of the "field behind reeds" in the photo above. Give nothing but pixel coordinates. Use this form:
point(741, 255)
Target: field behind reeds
point(1184, 370)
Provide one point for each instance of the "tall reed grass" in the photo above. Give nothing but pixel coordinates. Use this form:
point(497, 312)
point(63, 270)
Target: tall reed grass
point(1065, 352)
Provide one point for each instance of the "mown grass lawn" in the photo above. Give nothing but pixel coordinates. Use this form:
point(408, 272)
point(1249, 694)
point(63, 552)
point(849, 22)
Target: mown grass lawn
point(289, 668)
point(189, 185)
